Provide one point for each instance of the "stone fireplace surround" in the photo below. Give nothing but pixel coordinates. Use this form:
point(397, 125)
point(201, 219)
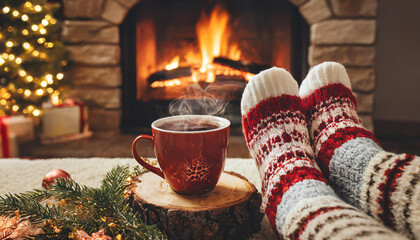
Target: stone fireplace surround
point(340, 30)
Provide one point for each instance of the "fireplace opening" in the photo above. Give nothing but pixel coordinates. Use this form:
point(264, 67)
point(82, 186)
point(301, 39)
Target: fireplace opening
point(179, 54)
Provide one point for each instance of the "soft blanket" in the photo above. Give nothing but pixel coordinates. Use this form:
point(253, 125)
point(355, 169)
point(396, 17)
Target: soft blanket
point(17, 175)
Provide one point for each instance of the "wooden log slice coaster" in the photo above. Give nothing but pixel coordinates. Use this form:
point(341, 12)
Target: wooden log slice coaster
point(230, 211)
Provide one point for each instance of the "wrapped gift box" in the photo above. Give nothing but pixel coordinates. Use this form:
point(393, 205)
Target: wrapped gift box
point(60, 121)
point(22, 127)
point(9, 146)
point(14, 130)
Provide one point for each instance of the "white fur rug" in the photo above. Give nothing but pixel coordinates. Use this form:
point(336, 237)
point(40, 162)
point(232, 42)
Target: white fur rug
point(17, 175)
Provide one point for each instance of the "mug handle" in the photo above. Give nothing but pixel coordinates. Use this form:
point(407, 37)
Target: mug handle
point(143, 161)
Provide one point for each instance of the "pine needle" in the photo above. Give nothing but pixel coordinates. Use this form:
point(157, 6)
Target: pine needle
point(78, 207)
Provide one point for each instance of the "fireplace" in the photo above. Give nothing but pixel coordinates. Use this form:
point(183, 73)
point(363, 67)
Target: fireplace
point(339, 30)
point(195, 57)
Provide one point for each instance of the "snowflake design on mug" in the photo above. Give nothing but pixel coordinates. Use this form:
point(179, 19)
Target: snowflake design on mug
point(197, 170)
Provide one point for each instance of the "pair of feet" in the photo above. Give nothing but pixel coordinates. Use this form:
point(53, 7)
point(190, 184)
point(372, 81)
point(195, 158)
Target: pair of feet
point(306, 140)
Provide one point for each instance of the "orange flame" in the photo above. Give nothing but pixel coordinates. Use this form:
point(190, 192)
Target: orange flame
point(213, 33)
point(234, 52)
point(173, 64)
point(170, 83)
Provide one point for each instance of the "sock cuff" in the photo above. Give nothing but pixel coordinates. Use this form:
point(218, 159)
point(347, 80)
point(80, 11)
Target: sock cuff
point(323, 75)
point(269, 83)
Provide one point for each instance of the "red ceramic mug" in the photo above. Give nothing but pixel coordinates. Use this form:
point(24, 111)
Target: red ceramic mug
point(191, 151)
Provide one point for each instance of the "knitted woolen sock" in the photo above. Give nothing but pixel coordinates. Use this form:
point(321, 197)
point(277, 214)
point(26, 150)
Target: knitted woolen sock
point(296, 198)
point(385, 185)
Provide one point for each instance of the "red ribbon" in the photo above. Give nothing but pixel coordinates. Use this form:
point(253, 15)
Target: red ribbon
point(5, 145)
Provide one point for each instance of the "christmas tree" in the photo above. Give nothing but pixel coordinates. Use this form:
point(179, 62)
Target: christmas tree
point(32, 57)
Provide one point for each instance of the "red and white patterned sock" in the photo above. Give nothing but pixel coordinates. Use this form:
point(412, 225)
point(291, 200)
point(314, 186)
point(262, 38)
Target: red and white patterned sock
point(297, 201)
point(383, 184)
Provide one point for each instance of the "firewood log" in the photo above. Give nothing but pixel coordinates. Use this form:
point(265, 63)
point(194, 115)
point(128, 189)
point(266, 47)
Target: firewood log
point(230, 211)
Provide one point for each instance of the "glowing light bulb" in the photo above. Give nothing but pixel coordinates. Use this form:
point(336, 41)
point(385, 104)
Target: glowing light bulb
point(50, 81)
point(15, 13)
point(49, 45)
point(2, 61)
point(50, 90)
point(36, 112)
point(30, 108)
point(44, 22)
point(6, 9)
point(53, 21)
point(15, 108)
point(35, 53)
point(5, 55)
point(38, 8)
point(3, 102)
point(26, 45)
point(60, 76)
point(49, 77)
point(27, 92)
point(54, 98)
point(43, 84)
point(20, 91)
point(34, 28)
point(25, 32)
point(25, 17)
point(22, 73)
point(43, 55)
point(39, 92)
point(9, 44)
point(41, 40)
point(11, 57)
point(43, 31)
point(28, 4)
point(18, 60)
point(29, 78)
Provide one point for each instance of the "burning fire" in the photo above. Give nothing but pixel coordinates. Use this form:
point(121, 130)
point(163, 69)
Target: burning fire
point(174, 64)
point(213, 34)
point(170, 83)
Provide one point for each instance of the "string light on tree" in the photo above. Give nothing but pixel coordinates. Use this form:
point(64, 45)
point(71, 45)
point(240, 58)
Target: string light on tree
point(6, 10)
point(38, 8)
point(31, 57)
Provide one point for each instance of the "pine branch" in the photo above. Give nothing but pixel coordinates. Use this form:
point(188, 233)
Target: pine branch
point(27, 206)
point(81, 207)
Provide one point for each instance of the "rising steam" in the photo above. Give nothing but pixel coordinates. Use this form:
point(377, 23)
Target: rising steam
point(211, 100)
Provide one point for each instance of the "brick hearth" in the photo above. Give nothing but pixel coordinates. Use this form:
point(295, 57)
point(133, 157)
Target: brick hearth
point(340, 30)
